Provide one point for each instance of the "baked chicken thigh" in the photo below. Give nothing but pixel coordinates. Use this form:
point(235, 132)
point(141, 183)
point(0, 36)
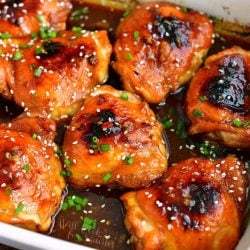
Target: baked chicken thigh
point(114, 138)
point(198, 204)
point(158, 48)
point(30, 183)
point(52, 77)
point(23, 17)
point(218, 100)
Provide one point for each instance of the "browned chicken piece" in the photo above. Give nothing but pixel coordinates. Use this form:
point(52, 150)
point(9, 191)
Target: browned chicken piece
point(30, 183)
point(198, 204)
point(218, 100)
point(158, 48)
point(114, 138)
point(40, 128)
point(51, 78)
point(23, 17)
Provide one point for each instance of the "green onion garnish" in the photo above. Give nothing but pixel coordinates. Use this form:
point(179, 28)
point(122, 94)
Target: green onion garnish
point(128, 56)
point(129, 160)
point(104, 147)
point(17, 56)
point(124, 95)
point(89, 224)
point(19, 208)
point(107, 177)
point(26, 167)
point(67, 162)
point(197, 113)
point(38, 71)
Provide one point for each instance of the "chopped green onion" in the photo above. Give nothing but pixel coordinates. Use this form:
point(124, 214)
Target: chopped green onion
point(78, 14)
point(81, 201)
point(34, 136)
point(5, 35)
point(34, 35)
point(67, 162)
point(180, 130)
point(237, 123)
point(104, 147)
point(25, 46)
point(39, 18)
point(197, 113)
point(79, 237)
point(107, 177)
point(26, 167)
point(78, 207)
point(136, 34)
point(52, 33)
point(93, 146)
point(167, 123)
point(124, 95)
point(184, 9)
point(43, 32)
point(59, 152)
point(89, 224)
point(65, 206)
point(95, 139)
point(19, 208)
point(8, 191)
point(17, 56)
point(202, 98)
point(76, 29)
point(71, 202)
point(128, 56)
point(39, 50)
point(65, 173)
point(245, 124)
point(38, 71)
point(129, 160)
point(126, 12)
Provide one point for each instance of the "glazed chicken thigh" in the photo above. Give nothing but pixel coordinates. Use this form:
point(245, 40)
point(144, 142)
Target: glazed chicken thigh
point(23, 17)
point(198, 204)
point(51, 77)
point(114, 138)
point(158, 48)
point(30, 183)
point(218, 100)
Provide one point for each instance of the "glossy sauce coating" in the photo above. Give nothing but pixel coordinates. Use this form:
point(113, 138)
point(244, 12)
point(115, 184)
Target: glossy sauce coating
point(23, 17)
point(114, 138)
point(158, 48)
point(218, 101)
point(198, 204)
point(53, 77)
point(30, 183)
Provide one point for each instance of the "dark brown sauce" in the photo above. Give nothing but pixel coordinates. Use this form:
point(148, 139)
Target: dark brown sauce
point(104, 205)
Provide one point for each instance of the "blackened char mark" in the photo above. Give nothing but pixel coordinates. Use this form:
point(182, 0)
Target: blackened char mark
point(229, 88)
point(102, 125)
point(203, 197)
point(8, 11)
point(173, 30)
point(51, 48)
point(191, 204)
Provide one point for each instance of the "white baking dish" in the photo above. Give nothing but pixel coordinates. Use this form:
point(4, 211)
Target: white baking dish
point(231, 10)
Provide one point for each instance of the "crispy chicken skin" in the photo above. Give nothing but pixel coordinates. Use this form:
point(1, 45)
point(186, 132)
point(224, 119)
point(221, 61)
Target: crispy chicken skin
point(22, 17)
point(44, 129)
point(218, 100)
point(158, 48)
point(30, 182)
point(52, 78)
point(198, 204)
point(114, 138)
